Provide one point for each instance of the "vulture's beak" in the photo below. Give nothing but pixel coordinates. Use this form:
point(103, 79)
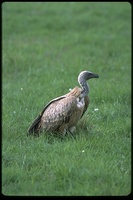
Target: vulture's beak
point(92, 75)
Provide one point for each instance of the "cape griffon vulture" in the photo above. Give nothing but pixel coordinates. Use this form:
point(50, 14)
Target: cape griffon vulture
point(62, 113)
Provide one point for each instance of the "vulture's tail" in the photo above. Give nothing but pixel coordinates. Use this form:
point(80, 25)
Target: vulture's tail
point(35, 127)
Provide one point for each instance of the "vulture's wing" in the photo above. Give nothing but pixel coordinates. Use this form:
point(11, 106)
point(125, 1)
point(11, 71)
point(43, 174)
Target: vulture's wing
point(58, 113)
point(54, 114)
point(35, 126)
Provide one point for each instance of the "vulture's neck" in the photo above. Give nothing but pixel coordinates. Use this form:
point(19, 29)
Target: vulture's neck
point(84, 89)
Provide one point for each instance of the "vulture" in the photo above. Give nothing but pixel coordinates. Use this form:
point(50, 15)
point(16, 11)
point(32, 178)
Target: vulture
point(63, 113)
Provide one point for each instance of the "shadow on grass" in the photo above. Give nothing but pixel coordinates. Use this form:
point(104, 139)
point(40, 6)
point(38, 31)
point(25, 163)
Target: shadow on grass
point(82, 130)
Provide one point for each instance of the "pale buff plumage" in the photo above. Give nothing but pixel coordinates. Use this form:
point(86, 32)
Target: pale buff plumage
point(63, 113)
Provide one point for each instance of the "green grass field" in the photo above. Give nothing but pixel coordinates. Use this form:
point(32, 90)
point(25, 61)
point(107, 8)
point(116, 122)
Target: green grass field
point(44, 48)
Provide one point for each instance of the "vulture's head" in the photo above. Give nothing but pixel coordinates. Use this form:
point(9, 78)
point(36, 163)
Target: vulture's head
point(86, 75)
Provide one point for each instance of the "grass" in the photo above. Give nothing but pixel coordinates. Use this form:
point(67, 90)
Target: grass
point(45, 46)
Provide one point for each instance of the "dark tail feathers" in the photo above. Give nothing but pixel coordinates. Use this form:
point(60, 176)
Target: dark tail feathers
point(35, 127)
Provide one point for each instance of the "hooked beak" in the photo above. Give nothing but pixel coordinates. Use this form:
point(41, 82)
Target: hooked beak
point(92, 75)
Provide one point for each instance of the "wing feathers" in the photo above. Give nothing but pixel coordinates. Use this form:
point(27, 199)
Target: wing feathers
point(34, 128)
point(36, 124)
point(58, 113)
point(60, 110)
